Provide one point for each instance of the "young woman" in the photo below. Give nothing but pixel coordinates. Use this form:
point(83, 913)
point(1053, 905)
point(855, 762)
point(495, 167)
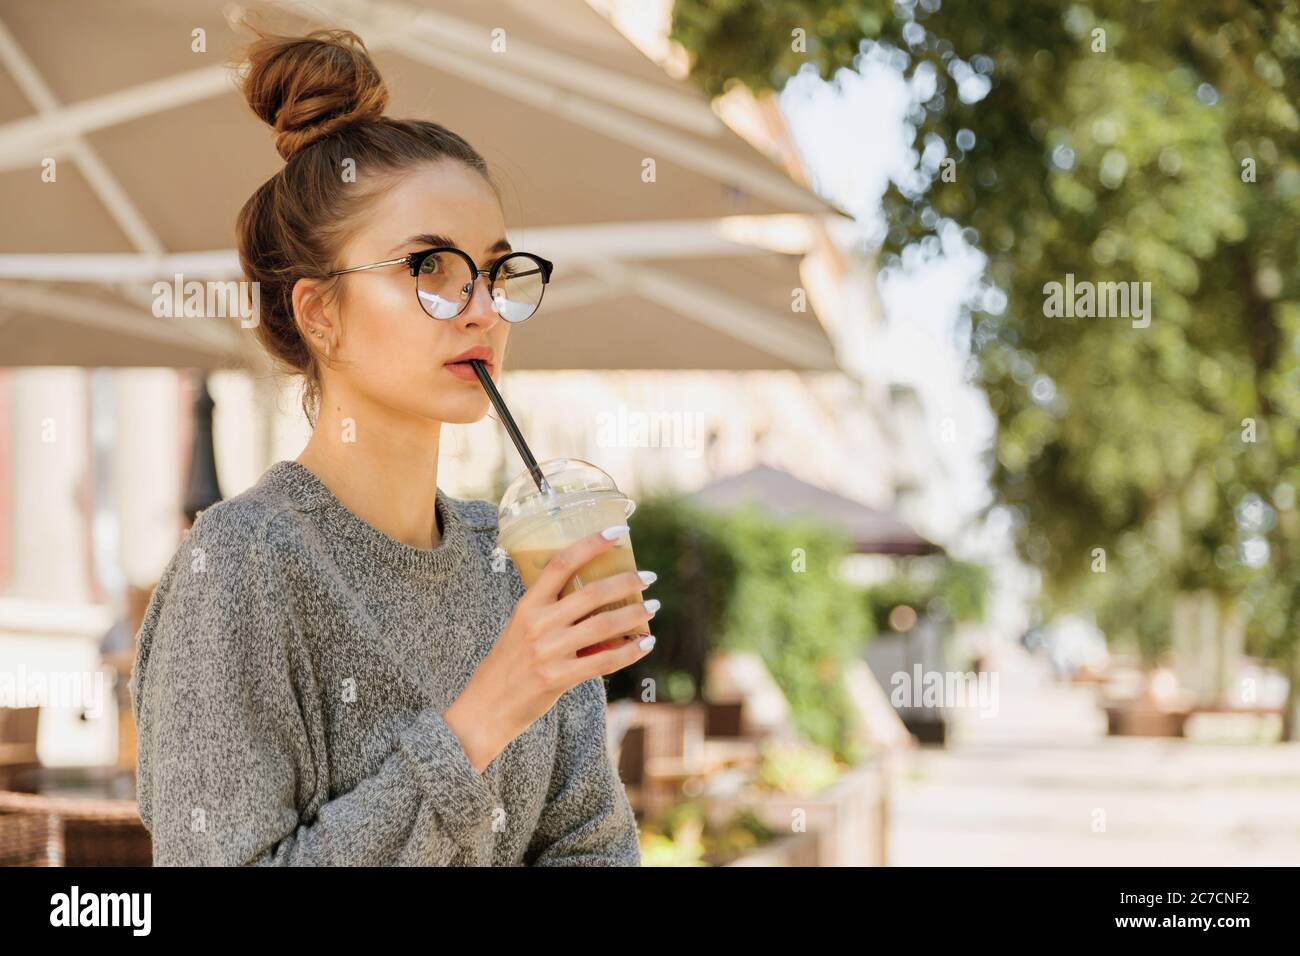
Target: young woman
point(333, 668)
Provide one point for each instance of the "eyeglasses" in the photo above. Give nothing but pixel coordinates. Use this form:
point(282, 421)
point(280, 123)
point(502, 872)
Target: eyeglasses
point(445, 277)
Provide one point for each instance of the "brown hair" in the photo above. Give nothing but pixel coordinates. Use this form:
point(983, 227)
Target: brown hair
point(324, 98)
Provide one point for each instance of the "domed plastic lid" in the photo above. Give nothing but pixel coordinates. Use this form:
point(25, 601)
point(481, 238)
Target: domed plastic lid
point(572, 482)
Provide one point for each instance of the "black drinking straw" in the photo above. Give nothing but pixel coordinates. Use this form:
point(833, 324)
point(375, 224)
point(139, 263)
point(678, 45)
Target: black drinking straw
point(508, 420)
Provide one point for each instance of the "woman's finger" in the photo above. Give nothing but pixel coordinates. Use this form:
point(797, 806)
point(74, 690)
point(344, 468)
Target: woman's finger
point(594, 596)
point(602, 626)
point(606, 661)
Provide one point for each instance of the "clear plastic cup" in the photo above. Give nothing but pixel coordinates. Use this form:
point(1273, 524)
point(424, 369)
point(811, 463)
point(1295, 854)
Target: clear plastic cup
point(584, 500)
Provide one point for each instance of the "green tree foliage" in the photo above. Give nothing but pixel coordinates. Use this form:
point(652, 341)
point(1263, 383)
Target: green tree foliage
point(1115, 141)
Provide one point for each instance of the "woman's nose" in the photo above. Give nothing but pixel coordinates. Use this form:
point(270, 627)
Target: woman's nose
point(481, 312)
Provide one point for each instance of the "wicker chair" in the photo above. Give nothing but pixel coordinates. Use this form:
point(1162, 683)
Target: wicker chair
point(662, 748)
point(76, 831)
point(30, 839)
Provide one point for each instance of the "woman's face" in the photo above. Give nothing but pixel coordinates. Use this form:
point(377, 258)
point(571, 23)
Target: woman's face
point(385, 348)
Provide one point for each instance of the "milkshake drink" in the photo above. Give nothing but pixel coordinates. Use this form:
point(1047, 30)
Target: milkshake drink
point(533, 527)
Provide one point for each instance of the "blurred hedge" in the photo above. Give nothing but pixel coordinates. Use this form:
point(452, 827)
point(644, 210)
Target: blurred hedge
point(956, 592)
point(744, 581)
point(696, 585)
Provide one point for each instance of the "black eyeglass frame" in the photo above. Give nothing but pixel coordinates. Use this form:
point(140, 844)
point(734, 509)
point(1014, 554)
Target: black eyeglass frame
point(417, 259)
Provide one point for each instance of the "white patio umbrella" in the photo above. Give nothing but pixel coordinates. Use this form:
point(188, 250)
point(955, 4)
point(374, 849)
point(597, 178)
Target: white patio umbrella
point(154, 151)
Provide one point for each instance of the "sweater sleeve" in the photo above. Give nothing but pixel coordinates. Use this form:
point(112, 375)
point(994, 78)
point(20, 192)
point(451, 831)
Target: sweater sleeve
point(226, 772)
point(587, 819)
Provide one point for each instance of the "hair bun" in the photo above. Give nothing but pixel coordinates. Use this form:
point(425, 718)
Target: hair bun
point(307, 87)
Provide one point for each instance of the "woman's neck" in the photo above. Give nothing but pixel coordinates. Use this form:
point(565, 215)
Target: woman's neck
point(382, 466)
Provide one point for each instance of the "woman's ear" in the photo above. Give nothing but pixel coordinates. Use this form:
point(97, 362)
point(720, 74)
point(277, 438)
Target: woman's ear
point(315, 321)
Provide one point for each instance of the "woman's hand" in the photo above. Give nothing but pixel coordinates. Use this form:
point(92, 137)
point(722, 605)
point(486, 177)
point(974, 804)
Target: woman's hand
point(536, 658)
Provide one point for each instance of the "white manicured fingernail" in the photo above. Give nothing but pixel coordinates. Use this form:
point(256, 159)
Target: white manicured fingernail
point(609, 534)
point(647, 642)
point(647, 577)
point(652, 605)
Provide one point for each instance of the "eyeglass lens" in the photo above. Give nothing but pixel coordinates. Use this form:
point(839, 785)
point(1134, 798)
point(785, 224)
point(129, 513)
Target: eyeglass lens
point(444, 284)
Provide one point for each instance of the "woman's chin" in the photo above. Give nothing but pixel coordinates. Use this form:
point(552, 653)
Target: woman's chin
point(461, 411)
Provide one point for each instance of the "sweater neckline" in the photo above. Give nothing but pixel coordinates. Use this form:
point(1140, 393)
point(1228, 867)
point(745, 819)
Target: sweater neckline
point(309, 493)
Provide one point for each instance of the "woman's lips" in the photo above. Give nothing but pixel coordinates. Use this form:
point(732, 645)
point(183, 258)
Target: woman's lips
point(464, 370)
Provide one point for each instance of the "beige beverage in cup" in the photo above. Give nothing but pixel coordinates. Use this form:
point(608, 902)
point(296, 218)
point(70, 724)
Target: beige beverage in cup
point(584, 500)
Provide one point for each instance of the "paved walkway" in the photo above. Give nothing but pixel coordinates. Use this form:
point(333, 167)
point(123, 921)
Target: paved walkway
point(1041, 784)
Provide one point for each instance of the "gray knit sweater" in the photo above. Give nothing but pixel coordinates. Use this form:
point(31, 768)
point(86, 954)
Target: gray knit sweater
point(292, 671)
